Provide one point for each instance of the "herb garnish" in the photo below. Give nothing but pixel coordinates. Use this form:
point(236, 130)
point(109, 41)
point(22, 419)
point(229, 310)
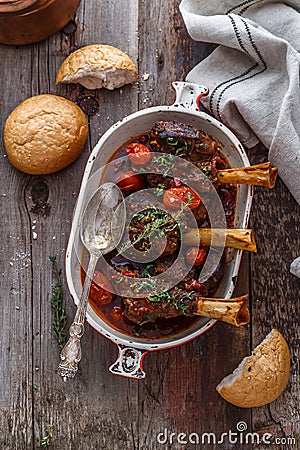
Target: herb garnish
point(45, 442)
point(59, 312)
point(171, 141)
point(148, 283)
point(159, 190)
point(146, 271)
point(189, 198)
point(204, 170)
point(138, 169)
point(167, 161)
point(158, 222)
point(179, 301)
point(181, 152)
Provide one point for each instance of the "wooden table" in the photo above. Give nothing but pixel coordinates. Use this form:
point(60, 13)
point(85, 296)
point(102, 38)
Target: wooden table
point(99, 410)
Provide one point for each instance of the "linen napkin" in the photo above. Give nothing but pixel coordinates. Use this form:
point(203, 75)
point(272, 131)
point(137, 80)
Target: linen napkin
point(253, 75)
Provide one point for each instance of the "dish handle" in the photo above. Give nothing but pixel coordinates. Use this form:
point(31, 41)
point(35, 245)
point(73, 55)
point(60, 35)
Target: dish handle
point(129, 363)
point(188, 95)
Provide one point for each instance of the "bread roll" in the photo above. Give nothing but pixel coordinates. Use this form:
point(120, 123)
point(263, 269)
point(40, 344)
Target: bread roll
point(44, 134)
point(97, 66)
point(261, 377)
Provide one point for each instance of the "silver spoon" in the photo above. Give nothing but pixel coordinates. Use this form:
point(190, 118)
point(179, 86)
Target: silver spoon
point(101, 229)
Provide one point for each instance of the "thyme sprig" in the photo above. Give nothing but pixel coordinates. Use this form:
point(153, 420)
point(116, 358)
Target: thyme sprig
point(159, 222)
point(164, 163)
point(204, 169)
point(180, 301)
point(45, 442)
point(146, 272)
point(59, 312)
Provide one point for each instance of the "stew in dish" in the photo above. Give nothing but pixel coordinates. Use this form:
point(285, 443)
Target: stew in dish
point(166, 312)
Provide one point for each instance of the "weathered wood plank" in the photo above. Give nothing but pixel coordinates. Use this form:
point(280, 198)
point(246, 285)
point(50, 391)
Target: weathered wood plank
point(16, 274)
point(179, 393)
point(276, 217)
point(97, 409)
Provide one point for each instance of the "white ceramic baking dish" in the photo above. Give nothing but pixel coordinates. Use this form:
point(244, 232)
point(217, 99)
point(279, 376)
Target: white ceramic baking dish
point(185, 109)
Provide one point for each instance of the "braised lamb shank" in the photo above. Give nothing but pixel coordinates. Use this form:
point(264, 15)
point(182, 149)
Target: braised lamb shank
point(181, 299)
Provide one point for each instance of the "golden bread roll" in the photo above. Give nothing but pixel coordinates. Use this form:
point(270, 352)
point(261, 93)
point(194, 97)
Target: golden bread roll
point(96, 66)
point(261, 377)
point(44, 134)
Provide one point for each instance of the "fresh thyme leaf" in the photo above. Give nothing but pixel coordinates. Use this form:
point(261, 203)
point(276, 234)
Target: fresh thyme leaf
point(171, 141)
point(159, 190)
point(140, 285)
point(182, 299)
point(45, 442)
point(146, 320)
point(119, 279)
point(181, 152)
point(163, 296)
point(138, 169)
point(146, 272)
point(59, 312)
point(204, 146)
point(162, 159)
point(204, 170)
point(135, 332)
point(159, 221)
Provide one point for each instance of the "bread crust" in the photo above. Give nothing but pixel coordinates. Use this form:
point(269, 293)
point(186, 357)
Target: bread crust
point(44, 134)
point(96, 66)
point(261, 377)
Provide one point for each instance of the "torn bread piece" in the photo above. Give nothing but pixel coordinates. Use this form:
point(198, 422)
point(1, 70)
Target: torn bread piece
point(98, 66)
point(261, 377)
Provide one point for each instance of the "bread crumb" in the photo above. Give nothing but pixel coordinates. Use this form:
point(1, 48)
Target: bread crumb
point(146, 76)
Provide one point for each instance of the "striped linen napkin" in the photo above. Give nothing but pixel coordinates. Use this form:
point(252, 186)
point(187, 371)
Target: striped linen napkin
point(253, 74)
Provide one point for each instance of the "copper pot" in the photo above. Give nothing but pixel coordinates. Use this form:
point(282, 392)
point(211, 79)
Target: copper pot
point(28, 21)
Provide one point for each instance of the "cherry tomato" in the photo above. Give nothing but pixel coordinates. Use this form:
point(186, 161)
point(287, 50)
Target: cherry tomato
point(130, 182)
point(196, 256)
point(98, 293)
point(185, 194)
point(117, 314)
point(138, 154)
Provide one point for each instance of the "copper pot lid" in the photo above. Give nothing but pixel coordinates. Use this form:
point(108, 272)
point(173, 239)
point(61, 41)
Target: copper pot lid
point(10, 6)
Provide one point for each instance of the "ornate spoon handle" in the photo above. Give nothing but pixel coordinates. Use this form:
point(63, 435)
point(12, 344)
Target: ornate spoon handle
point(71, 353)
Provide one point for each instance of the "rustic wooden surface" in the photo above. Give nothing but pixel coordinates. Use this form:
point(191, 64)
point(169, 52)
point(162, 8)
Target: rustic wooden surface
point(99, 410)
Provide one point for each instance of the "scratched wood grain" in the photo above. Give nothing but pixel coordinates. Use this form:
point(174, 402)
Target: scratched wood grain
point(99, 410)
point(179, 395)
point(276, 217)
point(16, 274)
point(93, 411)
